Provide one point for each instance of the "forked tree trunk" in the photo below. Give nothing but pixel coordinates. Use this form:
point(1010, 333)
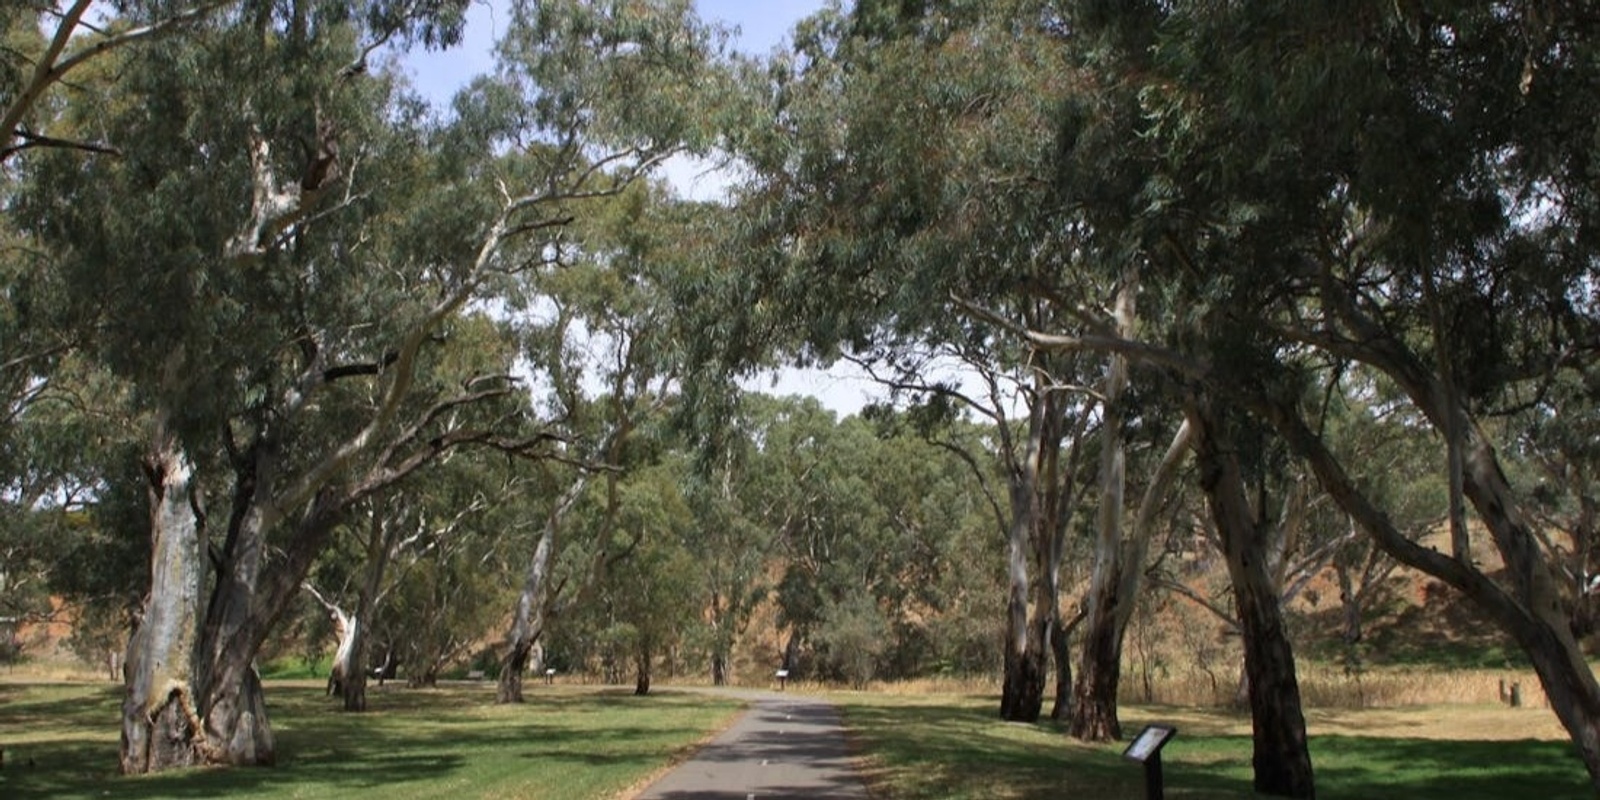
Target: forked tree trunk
point(1033, 551)
point(347, 628)
point(1280, 758)
point(1113, 596)
point(347, 675)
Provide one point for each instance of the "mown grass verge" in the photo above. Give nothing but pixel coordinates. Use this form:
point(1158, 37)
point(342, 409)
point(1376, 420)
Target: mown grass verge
point(61, 740)
point(952, 746)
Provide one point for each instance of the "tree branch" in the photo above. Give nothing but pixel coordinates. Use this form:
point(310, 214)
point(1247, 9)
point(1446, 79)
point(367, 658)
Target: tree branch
point(48, 71)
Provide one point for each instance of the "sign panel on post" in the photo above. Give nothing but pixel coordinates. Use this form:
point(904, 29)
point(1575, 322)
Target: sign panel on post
point(1149, 742)
point(1146, 749)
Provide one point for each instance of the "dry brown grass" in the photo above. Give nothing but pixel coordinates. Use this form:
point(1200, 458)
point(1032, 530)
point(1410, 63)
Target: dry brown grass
point(1321, 687)
point(1435, 722)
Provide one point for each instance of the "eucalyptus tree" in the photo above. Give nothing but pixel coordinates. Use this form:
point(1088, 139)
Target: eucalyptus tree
point(1402, 188)
point(607, 321)
point(735, 533)
point(652, 592)
point(904, 163)
point(424, 530)
point(302, 240)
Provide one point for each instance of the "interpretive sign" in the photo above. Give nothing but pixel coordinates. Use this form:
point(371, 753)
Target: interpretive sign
point(1146, 749)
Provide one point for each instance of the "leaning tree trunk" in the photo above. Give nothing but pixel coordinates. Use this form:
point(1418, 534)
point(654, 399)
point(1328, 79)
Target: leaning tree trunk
point(527, 625)
point(1529, 608)
point(1281, 758)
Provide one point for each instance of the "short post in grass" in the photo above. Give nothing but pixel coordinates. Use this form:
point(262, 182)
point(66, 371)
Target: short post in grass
point(783, 679)
point(1146, 749)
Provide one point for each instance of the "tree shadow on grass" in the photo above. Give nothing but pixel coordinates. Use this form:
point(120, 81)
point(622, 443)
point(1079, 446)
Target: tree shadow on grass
point(1359, 766)
point(942, 751)
point(413, 741)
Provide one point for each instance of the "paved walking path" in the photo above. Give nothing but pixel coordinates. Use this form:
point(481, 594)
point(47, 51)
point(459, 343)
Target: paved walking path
point(785, 746)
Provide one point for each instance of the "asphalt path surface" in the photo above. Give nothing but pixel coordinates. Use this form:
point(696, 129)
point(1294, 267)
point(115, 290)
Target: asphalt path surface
point(784, 746)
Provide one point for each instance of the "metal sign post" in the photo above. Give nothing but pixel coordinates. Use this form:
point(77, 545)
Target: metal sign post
point(1146, 749)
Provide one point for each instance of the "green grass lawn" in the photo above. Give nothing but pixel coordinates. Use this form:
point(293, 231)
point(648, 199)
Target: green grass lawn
point(578, 742)
point(954, 747)
point(446, 743)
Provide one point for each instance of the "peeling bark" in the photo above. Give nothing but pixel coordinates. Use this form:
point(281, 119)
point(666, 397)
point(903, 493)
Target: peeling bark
point(160, 728)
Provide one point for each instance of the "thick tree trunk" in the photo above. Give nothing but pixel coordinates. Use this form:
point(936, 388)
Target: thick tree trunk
point(353, 690)
point(1094, 705)
point(719, 669)
point(344, 665)
point(1035, 535)
point(161, 727)
point(347, 675)
point(1022, 693)
point(1281, 759)
point(1113, 595)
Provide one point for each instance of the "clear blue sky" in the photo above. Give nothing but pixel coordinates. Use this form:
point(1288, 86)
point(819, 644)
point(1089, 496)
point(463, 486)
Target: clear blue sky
point(762, 25)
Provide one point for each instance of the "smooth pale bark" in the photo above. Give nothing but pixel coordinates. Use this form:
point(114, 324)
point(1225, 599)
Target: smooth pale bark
point(1031, 605)
point(533, 603)
point(346, 675)
point(1280, 756)
point(1118, 603)
point(381, 539)
point(1094, 703)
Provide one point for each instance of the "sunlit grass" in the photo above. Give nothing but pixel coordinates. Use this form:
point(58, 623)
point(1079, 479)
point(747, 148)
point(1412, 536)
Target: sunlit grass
point(61, 742)
point(954, 746)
